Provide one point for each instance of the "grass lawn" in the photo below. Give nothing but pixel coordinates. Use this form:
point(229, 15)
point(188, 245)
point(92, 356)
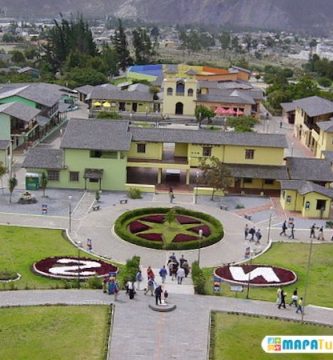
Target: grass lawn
point(293, 257)
point(238, 337)
point(21, 247)
point(54, 332)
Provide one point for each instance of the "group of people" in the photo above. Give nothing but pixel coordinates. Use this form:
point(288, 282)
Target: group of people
point(295, 300)
point(255, 235)
point(154, 288)
point(291, 226)
point(320, 234)
point(177, 269)
point(111, 285)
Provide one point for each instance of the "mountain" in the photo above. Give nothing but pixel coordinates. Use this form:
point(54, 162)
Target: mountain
point(306, 15)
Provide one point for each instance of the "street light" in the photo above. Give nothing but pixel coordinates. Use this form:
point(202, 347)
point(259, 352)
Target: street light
point(249, 277)
point(307, 277)
point(199, 249)
point(269, 224)
point(69, 213)
point(79, 244)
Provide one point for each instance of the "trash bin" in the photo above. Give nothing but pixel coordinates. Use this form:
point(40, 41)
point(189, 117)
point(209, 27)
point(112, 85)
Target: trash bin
point(32, 181)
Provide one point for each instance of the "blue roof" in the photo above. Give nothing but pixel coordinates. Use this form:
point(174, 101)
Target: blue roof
point(152, 70)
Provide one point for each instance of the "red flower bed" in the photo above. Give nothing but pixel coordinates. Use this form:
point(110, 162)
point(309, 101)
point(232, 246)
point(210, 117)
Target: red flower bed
point(159, 219)
point(205, 230)
point(285, 276)
point(54, 267)
point(187, 220)
point(151, 236)
point(137, 226)
point(184, 238)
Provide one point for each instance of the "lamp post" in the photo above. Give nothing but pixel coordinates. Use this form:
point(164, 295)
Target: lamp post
point(79, 244)
point(269, 224)
point(249, 277)
point(69, 213)
point(292, 149)
point(199, 249)
point(307, 277)
point(196, 186)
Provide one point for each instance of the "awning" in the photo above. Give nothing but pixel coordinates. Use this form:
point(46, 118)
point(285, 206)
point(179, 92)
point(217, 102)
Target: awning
point(95, 174)
point(221, 111)
point(106, 104)
point(42, 120)
point(97, 103)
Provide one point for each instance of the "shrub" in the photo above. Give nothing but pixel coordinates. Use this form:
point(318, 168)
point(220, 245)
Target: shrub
point(154, 218)
point(108, 115)
point(187, 220)
point(8, 275)
point(129, 271)
point(134, 193)
point(205, 230)
point(198, 279)
point(95, 283)
point(152, 236)
point(137, 226)
point(184, 237)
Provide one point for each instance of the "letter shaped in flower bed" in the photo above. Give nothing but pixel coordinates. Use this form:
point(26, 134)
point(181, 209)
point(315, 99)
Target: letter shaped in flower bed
point(154, 218)
point(205, 230)
point(184, 238)
point(137, 226)
point(151, 236)
point(187, 220)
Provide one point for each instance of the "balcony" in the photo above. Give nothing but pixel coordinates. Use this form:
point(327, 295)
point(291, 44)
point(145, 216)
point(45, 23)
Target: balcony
point(180, 93)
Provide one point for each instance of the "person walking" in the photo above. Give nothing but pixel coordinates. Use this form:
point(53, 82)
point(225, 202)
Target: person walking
point(130, 289)
point(171, 195)
point(138, 279)
point(258, 236)
point(150, 273)
point(252, 232)
point(294, 299)
point(89, 244)
point(180, 275)
point(284, 228)
point(150, 287)
point(321, 234)
point(292, 231)
point(313, 231)
point(282, 299)
point(246, 231)
point(300, 306)
point(163, 274)
point(158, 294)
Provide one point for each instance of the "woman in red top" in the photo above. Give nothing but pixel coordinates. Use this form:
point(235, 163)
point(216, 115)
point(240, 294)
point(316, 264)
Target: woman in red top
point(150, 273)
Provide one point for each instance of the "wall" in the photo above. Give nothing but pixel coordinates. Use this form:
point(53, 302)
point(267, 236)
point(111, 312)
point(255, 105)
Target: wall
point(154, 151)
point(181, 150)
point(5, 127)
point(312, 199)
point(195, 153)
point(262, 155)
point(325, 143)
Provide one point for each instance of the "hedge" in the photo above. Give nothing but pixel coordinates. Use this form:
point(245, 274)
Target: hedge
point(121, 229)
point(198, 279)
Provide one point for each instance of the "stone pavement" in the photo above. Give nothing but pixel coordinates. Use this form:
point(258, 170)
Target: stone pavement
point(140, 333)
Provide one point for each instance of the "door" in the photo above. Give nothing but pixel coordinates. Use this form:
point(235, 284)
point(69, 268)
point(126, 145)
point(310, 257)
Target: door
point(179, 108)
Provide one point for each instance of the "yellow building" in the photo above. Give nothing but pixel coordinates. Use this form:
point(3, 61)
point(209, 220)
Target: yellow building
point(309, 113)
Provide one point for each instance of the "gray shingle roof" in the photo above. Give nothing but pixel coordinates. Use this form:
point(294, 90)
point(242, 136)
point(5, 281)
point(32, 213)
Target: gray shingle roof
point(107, 93)
point(208, 137)
point(85, 89)
point(259, 171)
point(4, 144)
point(97, 135)
point(44, 158)
point(289, 106)
point(326, 125)
point(309, 169)
point(305, 187)
point(328, 155)
point(19, 111)
point(228, 99)
point(315, 105)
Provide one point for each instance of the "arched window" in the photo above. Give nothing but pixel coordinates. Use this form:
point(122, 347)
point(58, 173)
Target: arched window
point(180, 88)
point(169, 91)
point(190, 92)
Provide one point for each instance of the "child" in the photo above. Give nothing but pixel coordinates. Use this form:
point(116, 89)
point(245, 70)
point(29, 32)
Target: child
point(165, 296)
point(300, 305)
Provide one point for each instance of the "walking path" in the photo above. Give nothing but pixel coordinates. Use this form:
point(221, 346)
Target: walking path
point(140, 333)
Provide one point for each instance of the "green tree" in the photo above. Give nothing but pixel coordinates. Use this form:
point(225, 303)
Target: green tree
point(215, 174)
point(17, 57)
point(203, 112)
point(84, 76)
point(142, 46)
point(119, 41)
point(12, 183)
point(3, 171)
point(225, 40)
point(43, 182)
point(241, 123)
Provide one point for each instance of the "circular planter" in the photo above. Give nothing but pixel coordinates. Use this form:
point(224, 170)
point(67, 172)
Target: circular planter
point(64, 267)
point(256, 275)
point(151, 227)
point(6, 277)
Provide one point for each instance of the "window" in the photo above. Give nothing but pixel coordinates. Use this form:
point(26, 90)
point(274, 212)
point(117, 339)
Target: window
point(247, 180)
point(269, 181)
point(249, 154)
point(141, 148)
point(74, 176)
point(307, 205)
point(190, 92)
point(206, 151)
point(288, 199)
point(169, 91)
point(53, 175)
point(94, 180)
point(321, 205)
point(95, 154)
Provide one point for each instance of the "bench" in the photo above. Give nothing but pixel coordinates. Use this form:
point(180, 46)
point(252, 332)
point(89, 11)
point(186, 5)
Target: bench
point(96, 207)
point(123, 201)
point(248, 217)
